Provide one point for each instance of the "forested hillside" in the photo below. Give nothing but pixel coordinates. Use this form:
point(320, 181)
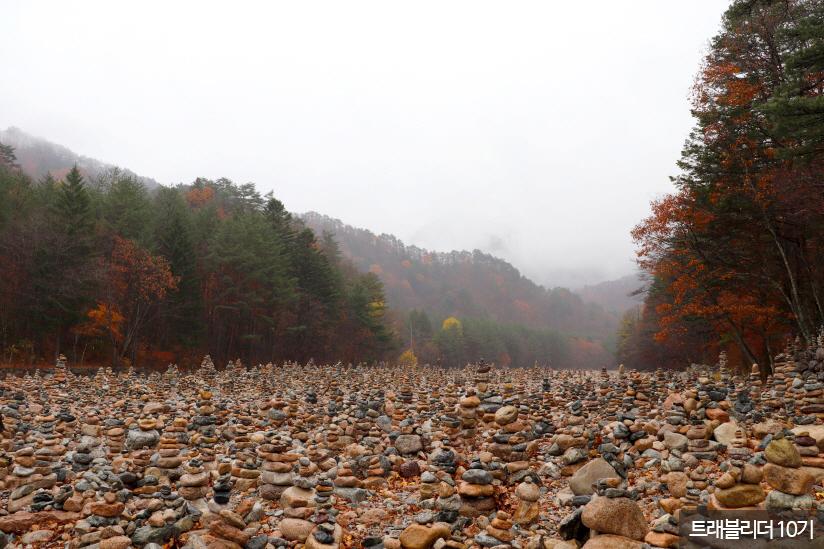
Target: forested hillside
point(103, 265)
point(38, 157)
point(104, 270)
point(490, 298)
point(736, 253)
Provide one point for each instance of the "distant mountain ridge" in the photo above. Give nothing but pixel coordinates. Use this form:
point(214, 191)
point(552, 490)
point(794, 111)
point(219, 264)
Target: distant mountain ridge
point(458, 283)
point(617, 296)
point(38, 157)
point(463, 283)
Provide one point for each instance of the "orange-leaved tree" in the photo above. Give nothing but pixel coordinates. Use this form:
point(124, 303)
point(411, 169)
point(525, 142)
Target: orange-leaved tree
point(136, 282)
point(738, 247)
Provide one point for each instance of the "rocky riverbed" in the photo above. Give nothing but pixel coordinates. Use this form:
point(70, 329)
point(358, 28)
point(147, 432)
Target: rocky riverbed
point(335, 456)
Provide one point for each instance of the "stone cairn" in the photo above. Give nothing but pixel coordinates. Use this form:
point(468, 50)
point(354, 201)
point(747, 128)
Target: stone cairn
point(468, 412)
point(528, 509)
point(298, 502)
point(612, 501)
point(391, 457)
point(476, 491)
point(173, 440)
point(205, 438)
point(277, 467)
point(791, 484)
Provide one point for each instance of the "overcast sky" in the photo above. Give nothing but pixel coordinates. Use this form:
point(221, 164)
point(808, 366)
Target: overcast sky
point(536, 131)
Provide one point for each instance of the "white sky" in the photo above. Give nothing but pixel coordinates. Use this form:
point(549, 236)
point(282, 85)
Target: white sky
point(537, 131)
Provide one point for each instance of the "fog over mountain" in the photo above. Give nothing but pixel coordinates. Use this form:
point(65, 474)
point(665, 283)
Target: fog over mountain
point(503, 313)
point(467, 125)
point(38, 157)
point(617, 295)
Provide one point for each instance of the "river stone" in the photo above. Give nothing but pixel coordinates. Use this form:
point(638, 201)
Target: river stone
point(295, 529)
point(22, 521)
point(506, 415)
point(477, 476)
point(769, 427)
point(751, 474)
point(675, 441)
point(418, 536)
point(136, 439)
point(662, 539)
point(779, 501)
point(676, 482)
point(297, 497)
point(408, 444)
point(583, 479)
point(37, 537)
point(786, 479)
point(528, 491)
point(815, 431)
point(725, 433)
point(782, 452)
point(619, 516)
point(741, 495)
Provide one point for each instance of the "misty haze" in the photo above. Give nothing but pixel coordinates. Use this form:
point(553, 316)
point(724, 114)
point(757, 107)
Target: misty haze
point(431, 275)
point(495, 137)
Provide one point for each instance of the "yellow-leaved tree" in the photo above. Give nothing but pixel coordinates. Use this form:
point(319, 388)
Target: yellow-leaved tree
point(452, 324)
point(408, 358)
point(450, 342)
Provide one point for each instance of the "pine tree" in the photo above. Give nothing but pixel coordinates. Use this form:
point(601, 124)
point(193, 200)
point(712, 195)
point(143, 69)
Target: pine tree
point(319, 291)
point(250, 290)
point(174, 240)
point(73, 207)
point(65, 271)
point(367, 304)
point(280, 220)
point(7, 157)
point(796, 111)
point(126, 207)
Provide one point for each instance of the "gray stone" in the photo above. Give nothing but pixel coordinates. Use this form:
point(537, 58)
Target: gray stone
point(779, 501)
point(485, 540)
point(725, 433)
point(136, 439)
point(477, 476)
point(355, 495)
point(675, 441)
point(147, 534)
point(550, 470)
point(573, 455)
point(408, 444)
point(583, 479)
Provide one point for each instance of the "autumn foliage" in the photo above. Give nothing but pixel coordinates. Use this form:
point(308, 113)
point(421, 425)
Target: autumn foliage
point(736, 255)
point(103, 270)
point(504, 316)
point(408, 359)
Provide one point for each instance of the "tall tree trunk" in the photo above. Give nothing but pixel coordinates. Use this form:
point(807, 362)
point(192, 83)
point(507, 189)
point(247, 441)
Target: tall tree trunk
point(74, 347)
point(795, 301)
point(739, 338)
point(798, 307)
point(813, 287)
point(766, 368)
